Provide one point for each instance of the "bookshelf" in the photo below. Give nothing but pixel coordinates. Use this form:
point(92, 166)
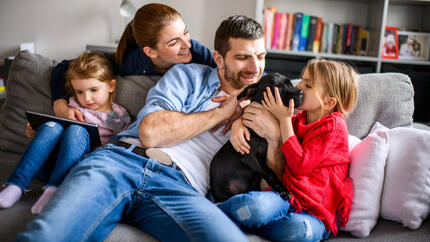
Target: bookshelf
point(373, 15)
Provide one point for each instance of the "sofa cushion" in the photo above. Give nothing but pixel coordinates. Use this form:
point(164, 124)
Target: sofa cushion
point(27, 89)
point(367, 173)
point(386, 98)
point(406, 194)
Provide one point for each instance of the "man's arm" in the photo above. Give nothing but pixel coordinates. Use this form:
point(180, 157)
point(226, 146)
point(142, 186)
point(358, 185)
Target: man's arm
point(166, 128)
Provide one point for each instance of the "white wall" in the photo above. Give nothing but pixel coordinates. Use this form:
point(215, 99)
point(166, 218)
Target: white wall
point(61, 29)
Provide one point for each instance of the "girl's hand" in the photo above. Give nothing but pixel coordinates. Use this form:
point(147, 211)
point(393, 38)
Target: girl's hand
point(29, 131)
point(238, 137)
point(63, 110)
point(276, 106)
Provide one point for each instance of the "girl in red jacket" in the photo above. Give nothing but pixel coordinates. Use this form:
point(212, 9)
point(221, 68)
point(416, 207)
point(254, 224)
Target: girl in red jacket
point(315, 148)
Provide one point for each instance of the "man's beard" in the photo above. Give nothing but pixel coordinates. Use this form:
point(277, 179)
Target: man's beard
point(234, 80)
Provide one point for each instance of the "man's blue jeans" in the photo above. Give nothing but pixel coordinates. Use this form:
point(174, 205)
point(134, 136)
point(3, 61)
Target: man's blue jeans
point(112, 184)
point(266, 214)
point(39, 158)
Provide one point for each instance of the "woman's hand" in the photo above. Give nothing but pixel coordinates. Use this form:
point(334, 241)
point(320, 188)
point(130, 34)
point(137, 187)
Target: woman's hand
point(29, 131)
point(238, 137)
point(63, 110)
point(276, 106)
point(262, 122)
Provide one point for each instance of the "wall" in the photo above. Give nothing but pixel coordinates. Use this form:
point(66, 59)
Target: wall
point(61, 29)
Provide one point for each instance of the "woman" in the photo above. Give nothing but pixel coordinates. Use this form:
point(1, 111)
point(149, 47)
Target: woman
point(152, 42)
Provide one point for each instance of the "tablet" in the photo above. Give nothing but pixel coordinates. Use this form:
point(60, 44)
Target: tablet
point(36, 119)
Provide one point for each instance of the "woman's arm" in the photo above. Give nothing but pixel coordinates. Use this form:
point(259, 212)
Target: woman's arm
point(201, 54)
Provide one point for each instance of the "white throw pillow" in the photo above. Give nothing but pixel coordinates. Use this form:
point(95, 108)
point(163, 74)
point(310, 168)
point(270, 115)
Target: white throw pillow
point(406, 195)
point(367, 173)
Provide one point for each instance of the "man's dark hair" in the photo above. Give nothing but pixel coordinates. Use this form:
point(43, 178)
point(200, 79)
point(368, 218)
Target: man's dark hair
point(237, 26)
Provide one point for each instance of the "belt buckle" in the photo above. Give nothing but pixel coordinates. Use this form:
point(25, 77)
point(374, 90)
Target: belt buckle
point(159, 156)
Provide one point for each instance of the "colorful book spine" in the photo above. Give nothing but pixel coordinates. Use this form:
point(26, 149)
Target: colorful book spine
point(276, 26)
point(289, 31)
point(297, 30)
point(304, 32)
point(268, 26)
point(330, 38)
point(359, 38)
point(339, 35)
point(316, 47)
point(347, 38)
point(311, 33)
point(324, 38)
point(282, 31)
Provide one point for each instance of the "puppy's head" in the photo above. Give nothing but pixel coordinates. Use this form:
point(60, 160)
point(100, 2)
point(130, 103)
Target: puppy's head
point(255, 91)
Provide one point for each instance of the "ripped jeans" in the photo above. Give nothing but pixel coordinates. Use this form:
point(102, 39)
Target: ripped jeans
point(51, 154)
point(266, 214)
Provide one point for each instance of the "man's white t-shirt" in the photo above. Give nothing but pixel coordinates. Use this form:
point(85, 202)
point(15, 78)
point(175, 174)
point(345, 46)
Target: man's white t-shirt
point(195, 155)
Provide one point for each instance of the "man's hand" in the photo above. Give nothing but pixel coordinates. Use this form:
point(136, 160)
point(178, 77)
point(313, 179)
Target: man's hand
point(230, 109)
point(262, 122)
point(61, 109)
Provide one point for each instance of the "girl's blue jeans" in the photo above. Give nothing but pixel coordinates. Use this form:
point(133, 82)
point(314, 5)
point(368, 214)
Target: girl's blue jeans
point(112, 184)
point(266, 214)
point(51, 154)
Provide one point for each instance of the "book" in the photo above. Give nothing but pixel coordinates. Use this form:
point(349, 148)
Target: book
point(324, 38)
point(351, 49)
point(304, 32)
point(364, 42)
point(330, 38)
point(289, 30)
point(339, 35)
point(268, 26)
point(316, 47)
point(311, 33)
point(297, 30)
point(347, 39)
point(276, 28)
point(282, 31)
point(359, 38)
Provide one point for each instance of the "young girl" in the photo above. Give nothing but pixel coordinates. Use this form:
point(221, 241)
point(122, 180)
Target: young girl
point(315, 147)
point(91, 80)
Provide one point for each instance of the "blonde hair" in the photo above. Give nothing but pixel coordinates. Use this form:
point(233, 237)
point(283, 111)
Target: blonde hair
point(337, 79)
point(90, 65)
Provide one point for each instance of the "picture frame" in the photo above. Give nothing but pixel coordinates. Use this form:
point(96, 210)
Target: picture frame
point(414, 45)
point(390, 46)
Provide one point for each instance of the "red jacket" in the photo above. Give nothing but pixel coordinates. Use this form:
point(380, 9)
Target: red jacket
point(316, 168)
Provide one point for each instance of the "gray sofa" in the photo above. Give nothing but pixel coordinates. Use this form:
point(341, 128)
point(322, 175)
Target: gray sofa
point(387, 98)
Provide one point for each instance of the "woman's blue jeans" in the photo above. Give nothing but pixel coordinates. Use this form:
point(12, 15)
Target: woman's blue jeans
point(266, 214)
point(40, 158)
point(112, 184)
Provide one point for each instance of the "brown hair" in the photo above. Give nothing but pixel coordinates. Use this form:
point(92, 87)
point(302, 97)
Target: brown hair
point(237, 26)
point(90, 65)
point(338, 80)
point(144, 29)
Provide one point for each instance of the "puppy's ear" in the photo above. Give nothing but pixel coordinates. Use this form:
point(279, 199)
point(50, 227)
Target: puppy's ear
point(249, 91)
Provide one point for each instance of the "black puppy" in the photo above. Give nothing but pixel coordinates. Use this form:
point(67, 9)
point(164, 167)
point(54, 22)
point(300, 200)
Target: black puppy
point(231, 172)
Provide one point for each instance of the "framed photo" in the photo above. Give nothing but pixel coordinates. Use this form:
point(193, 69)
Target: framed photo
point(390, 48)
point(414, 45)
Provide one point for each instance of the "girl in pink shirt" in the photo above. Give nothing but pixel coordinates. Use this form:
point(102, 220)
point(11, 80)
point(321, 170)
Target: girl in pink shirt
point(55, 149)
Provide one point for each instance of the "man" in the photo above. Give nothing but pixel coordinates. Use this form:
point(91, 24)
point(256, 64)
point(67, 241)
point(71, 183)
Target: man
point(163, 198)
